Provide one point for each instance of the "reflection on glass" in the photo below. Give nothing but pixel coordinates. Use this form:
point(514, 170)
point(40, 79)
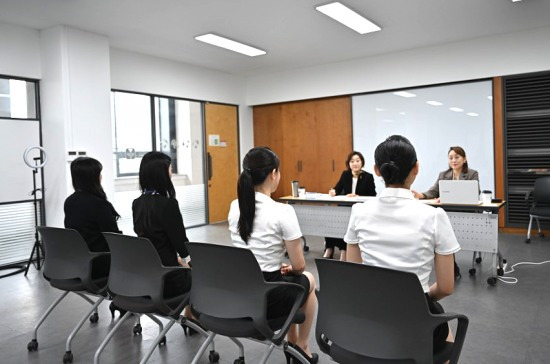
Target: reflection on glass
point(17, 99)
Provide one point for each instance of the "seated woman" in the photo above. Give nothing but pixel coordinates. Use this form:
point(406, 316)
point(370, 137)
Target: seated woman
point(397, 231)
point(88, 212)
point(157, 217)
point(458, 170)
point(354, 181)
point(267, 228)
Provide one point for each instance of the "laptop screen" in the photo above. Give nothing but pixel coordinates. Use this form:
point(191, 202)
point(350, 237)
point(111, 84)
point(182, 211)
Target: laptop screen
point(465, 192)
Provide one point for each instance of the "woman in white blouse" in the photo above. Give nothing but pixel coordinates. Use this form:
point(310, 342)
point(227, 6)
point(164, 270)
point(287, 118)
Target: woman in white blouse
point(267, 228)
point(399, 232)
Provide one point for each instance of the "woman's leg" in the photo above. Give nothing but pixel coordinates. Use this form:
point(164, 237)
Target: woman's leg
point(343, 255)
point(309, 308)
point(329, 248)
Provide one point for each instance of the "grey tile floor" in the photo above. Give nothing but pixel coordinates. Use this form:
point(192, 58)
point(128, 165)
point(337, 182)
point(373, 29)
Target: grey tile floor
point(508, 323)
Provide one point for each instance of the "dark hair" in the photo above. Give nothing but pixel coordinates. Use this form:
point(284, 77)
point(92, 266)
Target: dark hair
point(85, 172)
point(395, 158)
point(461, 152)
point(154, 176)
point(258, 163)
point(351, 156)
point(154, 179)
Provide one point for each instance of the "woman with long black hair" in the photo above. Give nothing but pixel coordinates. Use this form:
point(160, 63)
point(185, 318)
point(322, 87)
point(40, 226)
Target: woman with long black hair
point(267, 228)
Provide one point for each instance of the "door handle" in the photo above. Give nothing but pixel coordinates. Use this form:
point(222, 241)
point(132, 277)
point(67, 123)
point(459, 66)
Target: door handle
point(209, 163)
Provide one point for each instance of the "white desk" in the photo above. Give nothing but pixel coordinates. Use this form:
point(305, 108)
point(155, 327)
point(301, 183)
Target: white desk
point(475, 226)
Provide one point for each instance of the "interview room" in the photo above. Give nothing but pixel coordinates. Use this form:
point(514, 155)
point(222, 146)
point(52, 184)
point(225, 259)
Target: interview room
point(274, 182)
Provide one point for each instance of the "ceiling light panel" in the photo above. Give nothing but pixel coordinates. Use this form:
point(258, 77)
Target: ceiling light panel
point(434, 103)
point(231, 45)
point(404, 94)
point(456, 109)
point(348, 17)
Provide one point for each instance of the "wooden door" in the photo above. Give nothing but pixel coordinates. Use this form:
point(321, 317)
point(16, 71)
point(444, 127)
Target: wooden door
point(334, 140)
point(300, 145)
point(222, 159)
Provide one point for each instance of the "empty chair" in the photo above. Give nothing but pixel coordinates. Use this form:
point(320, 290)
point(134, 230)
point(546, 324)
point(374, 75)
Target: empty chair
point(136, 279)
point(377, 315)
point(229, 297)
point(540, 208)
point(68, 267)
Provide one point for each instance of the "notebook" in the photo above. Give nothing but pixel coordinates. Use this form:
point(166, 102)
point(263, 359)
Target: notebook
point(459, 192)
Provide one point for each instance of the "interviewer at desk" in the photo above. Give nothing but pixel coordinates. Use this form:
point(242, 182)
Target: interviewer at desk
point(458, 170)
point(353, 182)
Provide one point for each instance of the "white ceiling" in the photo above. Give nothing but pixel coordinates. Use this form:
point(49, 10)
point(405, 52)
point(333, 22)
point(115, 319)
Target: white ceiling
point(292, 32)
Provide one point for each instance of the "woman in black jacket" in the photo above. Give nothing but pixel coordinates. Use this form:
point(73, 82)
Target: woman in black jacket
point(354, 181)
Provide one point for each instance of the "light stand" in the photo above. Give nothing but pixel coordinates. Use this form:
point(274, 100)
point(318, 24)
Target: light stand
point(37, 247)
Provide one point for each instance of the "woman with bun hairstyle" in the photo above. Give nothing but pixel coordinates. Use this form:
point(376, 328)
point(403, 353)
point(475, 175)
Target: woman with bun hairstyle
point(354, 181)
point(267, 228)
point(397, 231)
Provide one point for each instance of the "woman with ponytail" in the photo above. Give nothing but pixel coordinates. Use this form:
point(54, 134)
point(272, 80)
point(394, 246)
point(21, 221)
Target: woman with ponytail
point(268, 228)
point(397, 231)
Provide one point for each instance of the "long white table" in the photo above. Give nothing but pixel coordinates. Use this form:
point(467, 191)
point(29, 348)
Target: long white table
point(475, 226)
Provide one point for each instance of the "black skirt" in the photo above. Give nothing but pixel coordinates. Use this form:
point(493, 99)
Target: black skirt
point(442, 331)
point(281, 299)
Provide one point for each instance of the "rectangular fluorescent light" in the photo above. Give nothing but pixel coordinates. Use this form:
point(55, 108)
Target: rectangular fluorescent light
point(348, 17)
point(404, 94)
point(456, 109)
point(472, 114)
point(230, 44)
point(434, 103)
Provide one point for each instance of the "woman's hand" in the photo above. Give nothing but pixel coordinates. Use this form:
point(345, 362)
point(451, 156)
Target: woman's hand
point(286, 269)
point(332, 192)
point(418, 195)
point(182, 262)
point(351, 195)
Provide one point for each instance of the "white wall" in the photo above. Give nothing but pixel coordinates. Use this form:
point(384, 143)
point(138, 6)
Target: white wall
point(142, 73)
point(522, 52)
point(20, 50)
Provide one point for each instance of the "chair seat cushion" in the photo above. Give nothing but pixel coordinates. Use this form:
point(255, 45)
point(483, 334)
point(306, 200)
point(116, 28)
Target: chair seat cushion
point(146, 304)
point(76, 284)
point(243, 327)
point(542, 211)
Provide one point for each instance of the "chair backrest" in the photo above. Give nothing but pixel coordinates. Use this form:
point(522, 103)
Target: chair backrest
point(227, 281)
point(66, 254)
point(541, 193)
point(374, 312)
point(136, 268)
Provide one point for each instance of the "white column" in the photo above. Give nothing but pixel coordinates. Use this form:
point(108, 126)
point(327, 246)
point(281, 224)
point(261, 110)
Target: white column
point(76, 113)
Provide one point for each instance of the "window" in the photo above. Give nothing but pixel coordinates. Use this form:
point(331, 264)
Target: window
point(17, 99)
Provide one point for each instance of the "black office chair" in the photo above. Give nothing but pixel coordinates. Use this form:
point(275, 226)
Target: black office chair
point(540, 208)
point(136, 279)
point(229, 297)
point(376, 315)
point(68, 267)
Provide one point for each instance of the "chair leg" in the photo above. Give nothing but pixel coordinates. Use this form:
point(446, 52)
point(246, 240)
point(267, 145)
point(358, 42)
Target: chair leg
point(538, 225)
point(109, 336)
point(157, 321)
point(203, 348)
point(239, 345)
point(90, 301)
point(529, 228)
point(267, 353)
point(47, 313)
point(80, 323)
point(160, 336)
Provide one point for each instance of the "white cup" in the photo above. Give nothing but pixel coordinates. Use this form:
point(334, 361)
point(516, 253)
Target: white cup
point(486, 196)
point(302, 192)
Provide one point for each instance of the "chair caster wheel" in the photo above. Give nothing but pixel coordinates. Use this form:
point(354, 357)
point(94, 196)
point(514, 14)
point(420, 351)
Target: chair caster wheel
point(137, 329)
point(94, 318)
point(68, 357)
point(500, 272)
point(491, 281)
point(541, 235)
point(472, 271)
point(527, 241)
point(239, 361)
point(213, 357)
point(162, 342)
point(32, 345)
point(306, 248)
point(479, 260)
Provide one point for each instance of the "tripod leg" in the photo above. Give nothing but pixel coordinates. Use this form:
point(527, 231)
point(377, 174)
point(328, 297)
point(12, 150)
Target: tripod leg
point(30, 259)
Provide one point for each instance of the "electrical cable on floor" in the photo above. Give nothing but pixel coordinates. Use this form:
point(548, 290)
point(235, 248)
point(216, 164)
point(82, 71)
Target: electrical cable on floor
point(514, 280)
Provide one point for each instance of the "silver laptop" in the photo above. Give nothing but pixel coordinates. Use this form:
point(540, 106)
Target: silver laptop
point(459, 192)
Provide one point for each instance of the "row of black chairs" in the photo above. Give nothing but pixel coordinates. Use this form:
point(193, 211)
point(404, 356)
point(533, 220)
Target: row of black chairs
point(374, 315)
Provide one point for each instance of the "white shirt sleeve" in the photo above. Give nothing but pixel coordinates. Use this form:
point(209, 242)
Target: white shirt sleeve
point(289, 223)
point(351, 235)
point(445, 239)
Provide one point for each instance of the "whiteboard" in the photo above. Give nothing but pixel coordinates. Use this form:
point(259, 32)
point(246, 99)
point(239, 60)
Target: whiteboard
point(15, 176)
point(432, 129)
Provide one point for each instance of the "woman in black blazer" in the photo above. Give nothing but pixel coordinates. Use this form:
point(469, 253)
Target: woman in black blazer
point(353, 182)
